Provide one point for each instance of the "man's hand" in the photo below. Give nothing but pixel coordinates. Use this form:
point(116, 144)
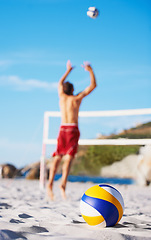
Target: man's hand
point(69, 66)
point(87, 66)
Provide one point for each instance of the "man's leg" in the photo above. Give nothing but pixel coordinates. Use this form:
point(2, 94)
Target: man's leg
point(65, 171)
point(52, 172)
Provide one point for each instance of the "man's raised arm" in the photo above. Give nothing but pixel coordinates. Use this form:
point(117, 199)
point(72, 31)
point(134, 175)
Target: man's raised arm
point(92, 85)
point(61, 81)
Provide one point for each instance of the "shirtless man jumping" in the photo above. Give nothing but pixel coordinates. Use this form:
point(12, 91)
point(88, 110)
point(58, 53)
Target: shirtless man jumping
point(67, 142)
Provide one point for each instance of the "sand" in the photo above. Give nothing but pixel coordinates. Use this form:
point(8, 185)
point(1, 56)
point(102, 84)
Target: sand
point(26, 213)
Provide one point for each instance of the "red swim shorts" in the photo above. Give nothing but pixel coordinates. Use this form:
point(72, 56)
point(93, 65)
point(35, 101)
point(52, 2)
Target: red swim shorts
point(67, 141)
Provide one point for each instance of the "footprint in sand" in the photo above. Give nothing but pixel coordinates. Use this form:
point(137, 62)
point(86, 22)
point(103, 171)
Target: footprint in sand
point(34, 229)
point(8, 234)
point(5, 205)
point(15, 221)
point(24, 215)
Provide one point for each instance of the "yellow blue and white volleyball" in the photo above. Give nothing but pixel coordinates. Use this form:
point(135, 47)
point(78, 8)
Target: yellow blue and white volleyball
point(102, 205)
point(92, 12)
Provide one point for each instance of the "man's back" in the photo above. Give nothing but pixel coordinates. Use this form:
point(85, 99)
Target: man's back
point(69, 106)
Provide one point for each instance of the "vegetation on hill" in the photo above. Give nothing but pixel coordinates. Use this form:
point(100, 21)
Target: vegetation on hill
point(95, 157)
point(141, 131)
point(90, 159)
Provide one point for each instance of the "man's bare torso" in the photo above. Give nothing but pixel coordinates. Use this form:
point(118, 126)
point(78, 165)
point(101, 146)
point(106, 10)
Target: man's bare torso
point(69, 106)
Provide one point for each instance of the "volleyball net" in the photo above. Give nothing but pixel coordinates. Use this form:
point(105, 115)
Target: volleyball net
point(49, 126)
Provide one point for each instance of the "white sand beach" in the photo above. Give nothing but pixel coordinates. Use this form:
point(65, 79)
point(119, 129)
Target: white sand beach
point(26, 213)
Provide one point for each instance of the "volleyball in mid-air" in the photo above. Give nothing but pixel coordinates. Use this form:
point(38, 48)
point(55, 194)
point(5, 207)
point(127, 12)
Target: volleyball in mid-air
point(102, 205)
point(92, 12)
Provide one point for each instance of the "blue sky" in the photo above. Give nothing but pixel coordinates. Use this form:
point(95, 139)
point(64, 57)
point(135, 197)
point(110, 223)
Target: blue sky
point(37, 37)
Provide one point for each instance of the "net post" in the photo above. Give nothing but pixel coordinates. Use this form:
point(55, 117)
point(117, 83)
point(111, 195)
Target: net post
point(42, 159)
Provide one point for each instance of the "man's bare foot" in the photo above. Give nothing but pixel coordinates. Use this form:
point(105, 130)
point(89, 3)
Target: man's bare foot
point(50, 192)
point(62, 189)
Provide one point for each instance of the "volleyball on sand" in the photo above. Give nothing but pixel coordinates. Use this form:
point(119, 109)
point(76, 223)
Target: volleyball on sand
point(102, 205)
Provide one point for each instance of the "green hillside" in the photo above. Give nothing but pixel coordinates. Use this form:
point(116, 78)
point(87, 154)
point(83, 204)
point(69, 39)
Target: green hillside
point(90, 159)
point(141, 131)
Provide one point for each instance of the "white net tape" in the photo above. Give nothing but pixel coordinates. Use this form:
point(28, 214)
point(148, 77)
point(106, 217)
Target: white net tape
point(113, 113)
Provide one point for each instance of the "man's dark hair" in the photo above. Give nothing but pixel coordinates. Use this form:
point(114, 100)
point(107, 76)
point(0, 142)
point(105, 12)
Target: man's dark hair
point(68, 88)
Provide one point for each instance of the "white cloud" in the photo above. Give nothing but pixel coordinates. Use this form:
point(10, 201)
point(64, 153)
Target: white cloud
point(26, 85)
